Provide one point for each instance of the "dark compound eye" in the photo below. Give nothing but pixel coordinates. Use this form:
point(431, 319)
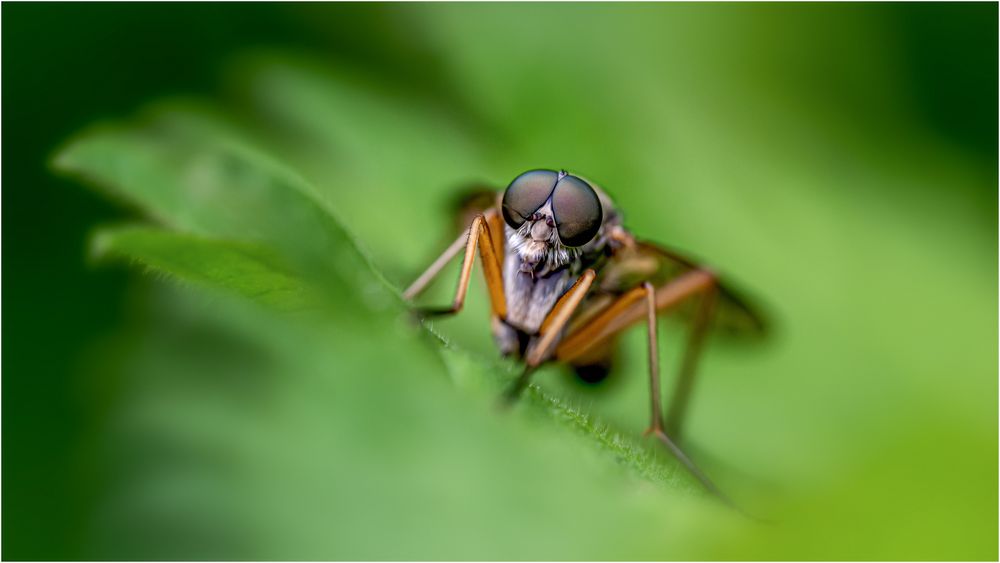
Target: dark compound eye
point(577, 211)
point(526, 194)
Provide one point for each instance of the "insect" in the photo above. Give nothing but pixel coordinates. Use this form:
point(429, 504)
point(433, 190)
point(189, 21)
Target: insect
point(565, 278)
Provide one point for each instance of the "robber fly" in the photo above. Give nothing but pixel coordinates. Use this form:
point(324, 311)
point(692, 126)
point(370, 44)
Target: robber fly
point(565, 278)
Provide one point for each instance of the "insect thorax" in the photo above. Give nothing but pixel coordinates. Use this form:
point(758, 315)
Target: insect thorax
point(533, 287)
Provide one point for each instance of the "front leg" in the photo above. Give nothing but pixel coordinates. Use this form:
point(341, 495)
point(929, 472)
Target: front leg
point(551, 327)
point(479, 237)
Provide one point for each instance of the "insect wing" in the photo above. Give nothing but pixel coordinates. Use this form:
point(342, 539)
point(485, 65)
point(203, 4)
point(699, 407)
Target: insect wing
point(644, 261)
point(473, 200)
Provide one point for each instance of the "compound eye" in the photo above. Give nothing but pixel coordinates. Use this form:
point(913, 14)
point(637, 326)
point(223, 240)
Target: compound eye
point(526, 194)
point(577, 211)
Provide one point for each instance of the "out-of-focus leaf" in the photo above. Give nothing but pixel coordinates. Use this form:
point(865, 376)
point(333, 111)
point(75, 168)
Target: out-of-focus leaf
point(186, 172)
point(249, 434)
point(242, 268)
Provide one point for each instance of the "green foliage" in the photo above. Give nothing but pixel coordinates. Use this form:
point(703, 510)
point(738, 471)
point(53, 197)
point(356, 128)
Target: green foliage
point(276, 246)
point(186, 171)
point(244, 269)
point(326, 425)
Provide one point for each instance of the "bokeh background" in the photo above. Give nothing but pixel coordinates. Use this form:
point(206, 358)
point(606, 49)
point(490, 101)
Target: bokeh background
point(838, 162)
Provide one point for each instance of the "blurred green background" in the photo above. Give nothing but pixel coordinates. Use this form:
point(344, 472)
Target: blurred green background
point(837, 161)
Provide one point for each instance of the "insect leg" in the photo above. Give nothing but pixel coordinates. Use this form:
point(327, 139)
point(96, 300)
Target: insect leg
point(656, 428)
point(629, 309)
point(551, 327)
point(646, 301)
point(622, 313)
point(685, 379)
point(421, 283)
point(479, 238)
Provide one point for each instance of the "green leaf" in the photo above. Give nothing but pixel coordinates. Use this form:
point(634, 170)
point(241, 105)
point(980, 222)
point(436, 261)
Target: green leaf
point(244, 269)
point(248, 434)
point(185, 170)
